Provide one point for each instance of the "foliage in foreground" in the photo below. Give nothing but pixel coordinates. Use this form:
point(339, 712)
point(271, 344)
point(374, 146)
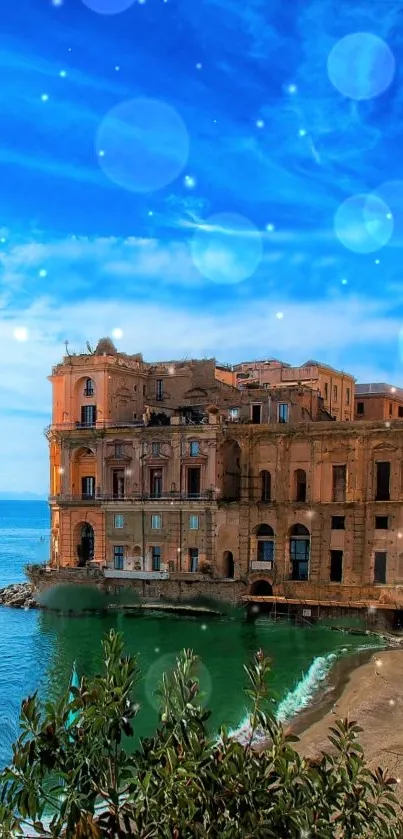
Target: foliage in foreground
point(183, 783)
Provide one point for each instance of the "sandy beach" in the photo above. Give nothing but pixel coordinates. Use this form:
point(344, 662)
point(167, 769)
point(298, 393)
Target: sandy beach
point(372, 694)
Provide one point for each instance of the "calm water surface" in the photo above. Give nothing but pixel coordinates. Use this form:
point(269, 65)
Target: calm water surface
point(37, 649)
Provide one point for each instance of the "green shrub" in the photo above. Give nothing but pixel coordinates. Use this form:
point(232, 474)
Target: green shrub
point(182, 783)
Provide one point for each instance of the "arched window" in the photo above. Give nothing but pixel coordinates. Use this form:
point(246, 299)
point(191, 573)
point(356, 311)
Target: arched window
point(300, 543)
point(265, 486)
point(265, 544)
point(299, 485)
point(89, 387)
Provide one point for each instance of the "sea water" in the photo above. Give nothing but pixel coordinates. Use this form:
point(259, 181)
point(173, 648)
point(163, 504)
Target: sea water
point(38, 648)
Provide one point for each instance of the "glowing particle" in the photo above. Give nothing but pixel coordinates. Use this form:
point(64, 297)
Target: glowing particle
point(44, 97)
point(117, 68)
point(117, 333)
point(43, 273)
point(101, 153)
point(62, 74)
point(150, 213)
point(57, 2)
point(171, 370)
point(302, 132)
point(279, 315)
point(292, 88)
point(344, 281)
point(156, 649)
point(392, 702)
point(60, 470)
point(3, 240)
point(259, 123)
point(270, 228)
point(189, 181)
point(393, 390)
point(20, 333)
point(203, 626)
point(199, 66)
point(377, 261)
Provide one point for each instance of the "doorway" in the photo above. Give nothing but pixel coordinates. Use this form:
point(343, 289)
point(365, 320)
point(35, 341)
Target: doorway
point(261, 588)
point(256, 414)
point(193, 481)
point(118, 483)
point(229, 566)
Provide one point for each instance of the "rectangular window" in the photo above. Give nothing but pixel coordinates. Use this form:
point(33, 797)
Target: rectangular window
point(155, 483)
point(360, 408)
point(193, 522)
point(159, 389)
point(89, 388)
point(156, 522)
point(118, 450)
point(88, 415)
point(382, 488)
point(118, 557)
point(155, 449)
point(233, 413)
point(193, 560)
point(339, 482)
point(347, 396)
point(87, 487)
point(118, 521)
point(336, 566)
point(156, 558)
point(256, 414)
point(380, 567)
point(283, 412)
point(193, 481)
point(381, 522)
point(299, 556)
point(144, 390)
point(390, 409)
point(400, 411)
point(335, 393)
point(118, 483)
point(265, 550)
point(326, 391)
point(194, 448)
point(338, 523)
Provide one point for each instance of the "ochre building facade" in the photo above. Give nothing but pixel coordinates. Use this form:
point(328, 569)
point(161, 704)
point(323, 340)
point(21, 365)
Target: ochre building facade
point(171, 481)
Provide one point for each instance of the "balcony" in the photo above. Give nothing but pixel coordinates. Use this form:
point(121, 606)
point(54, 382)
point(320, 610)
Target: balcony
point(210, 495)
point(115, 574)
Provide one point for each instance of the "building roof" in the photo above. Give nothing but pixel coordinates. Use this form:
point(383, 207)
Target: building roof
point(379, 389)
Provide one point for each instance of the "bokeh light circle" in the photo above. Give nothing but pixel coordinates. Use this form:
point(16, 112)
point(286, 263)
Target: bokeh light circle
point(363, 223)
point(165, 664)
point(142, 145)
point(108, 7)
point(361, 66)
point(227, 248)
point(391, 192)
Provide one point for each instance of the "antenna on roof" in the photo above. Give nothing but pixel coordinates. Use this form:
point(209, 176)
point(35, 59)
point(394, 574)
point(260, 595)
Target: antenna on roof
point(66, 344)
point(89, 348)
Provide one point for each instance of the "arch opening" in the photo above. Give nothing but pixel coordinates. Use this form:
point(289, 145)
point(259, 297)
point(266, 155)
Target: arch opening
point(86, 545)
point(261, 588)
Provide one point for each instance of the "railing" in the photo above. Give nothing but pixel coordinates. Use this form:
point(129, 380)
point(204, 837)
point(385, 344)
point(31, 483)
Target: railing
point(208, 495)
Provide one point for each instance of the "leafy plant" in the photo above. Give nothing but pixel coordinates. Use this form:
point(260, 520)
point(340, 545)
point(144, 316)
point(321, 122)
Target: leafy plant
point(182, 782)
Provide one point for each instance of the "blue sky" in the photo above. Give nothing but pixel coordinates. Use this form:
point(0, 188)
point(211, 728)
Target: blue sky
point(211, 178)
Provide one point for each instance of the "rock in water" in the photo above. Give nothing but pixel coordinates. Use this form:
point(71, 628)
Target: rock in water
point(18, 596)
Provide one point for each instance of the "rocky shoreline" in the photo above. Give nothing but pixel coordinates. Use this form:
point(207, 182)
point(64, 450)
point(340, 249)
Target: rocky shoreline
point(18, 596)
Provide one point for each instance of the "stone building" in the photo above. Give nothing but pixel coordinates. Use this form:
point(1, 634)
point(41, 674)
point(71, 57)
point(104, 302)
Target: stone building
point(377, 401)
point(179, 485)
point(335, 387)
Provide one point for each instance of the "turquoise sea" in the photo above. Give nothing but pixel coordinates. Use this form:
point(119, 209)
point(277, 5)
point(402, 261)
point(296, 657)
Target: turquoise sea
point(37, 649)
